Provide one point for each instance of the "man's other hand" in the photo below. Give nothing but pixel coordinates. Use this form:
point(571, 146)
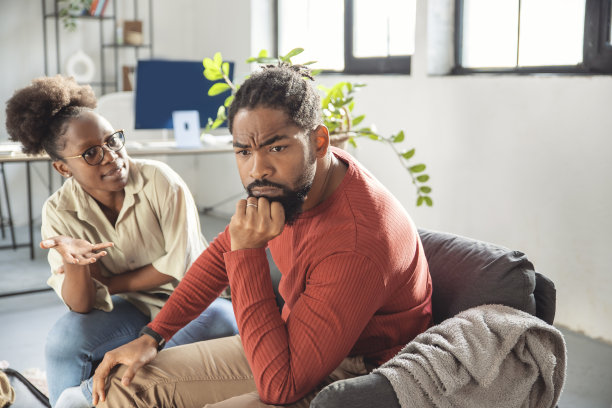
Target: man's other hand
point(134, 354)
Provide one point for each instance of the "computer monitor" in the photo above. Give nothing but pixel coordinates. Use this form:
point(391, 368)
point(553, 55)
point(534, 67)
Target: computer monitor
point(165, 86)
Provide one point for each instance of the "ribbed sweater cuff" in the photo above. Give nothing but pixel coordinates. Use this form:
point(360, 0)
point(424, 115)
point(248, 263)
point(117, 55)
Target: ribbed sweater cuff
point(249, 275)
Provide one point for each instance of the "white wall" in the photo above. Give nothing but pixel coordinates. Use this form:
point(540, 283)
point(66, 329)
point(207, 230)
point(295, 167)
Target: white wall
point(520, 161)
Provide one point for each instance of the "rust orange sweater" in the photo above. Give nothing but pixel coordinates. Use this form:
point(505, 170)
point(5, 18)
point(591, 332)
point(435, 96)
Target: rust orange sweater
point(354, 279)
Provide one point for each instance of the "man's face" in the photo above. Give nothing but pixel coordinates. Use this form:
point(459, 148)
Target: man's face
point(275, 158)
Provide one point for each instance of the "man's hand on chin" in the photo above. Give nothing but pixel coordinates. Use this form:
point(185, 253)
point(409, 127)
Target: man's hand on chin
point(256, 222)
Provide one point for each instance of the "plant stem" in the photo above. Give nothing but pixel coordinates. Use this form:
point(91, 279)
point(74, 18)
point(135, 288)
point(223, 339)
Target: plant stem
point(400, 158)
point(348, 118)
point(228, 81)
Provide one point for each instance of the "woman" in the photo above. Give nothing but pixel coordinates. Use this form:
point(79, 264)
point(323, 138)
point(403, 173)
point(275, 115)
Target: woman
point(121, 232)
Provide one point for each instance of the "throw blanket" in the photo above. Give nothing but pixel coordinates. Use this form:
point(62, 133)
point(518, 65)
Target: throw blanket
point(487, 356)
point(7, 393)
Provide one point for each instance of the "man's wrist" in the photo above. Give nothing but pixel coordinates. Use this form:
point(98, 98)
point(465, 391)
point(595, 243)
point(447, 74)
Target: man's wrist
point(161, 342)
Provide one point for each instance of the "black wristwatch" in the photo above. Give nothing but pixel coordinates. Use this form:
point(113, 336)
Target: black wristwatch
point(161, 342)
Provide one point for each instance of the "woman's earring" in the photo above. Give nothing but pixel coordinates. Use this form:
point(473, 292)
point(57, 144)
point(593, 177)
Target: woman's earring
point(67, 175)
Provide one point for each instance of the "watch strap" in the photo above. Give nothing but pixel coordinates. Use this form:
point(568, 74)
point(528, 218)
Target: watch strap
point(161, 342)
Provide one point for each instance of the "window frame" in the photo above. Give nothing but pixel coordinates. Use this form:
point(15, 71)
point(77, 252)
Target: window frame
point(355, 65)
point(597, 51)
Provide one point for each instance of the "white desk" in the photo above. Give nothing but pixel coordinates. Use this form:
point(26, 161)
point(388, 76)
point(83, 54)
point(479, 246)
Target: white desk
point(11, 153)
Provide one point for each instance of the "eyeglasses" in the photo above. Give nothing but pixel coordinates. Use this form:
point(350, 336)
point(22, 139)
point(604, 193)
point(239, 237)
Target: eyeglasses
point(95, 154)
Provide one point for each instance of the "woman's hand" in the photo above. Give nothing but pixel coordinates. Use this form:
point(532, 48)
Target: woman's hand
point(76, 251)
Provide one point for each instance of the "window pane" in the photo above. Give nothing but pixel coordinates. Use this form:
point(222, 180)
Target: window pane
point(315, 25)
point(490, 32)
point(552, 32)
point(383, 28)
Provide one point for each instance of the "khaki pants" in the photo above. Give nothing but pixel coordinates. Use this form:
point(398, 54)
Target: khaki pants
point(211, 374)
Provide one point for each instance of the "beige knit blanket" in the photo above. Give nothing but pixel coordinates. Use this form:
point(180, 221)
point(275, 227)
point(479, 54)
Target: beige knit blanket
point(7, 393)
point(487, 356)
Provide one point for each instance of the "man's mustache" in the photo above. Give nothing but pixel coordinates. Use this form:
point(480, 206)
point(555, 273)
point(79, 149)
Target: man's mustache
point(265, 183)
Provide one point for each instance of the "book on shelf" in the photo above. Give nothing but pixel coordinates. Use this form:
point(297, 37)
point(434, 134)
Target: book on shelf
point(92, 8)
point(97, 7)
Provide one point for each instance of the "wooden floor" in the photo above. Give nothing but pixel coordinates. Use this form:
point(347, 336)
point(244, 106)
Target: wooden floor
point(26, 319)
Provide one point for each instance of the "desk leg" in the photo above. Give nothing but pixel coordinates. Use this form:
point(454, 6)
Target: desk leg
point(30, 221)
point(49, 177)
point(8, 208)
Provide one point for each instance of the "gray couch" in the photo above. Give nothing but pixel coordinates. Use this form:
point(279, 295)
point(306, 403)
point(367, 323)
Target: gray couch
point(465, 273)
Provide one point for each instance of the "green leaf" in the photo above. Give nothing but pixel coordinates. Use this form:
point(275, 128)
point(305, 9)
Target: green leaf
point(263, 54)
point(352, 142)
point(217, 123)
point(252, 59)
point(218, 88)
point(221, 112)
point(292, 53)
point(218, 59)
point(351, 106)
point(423, 178)
point(407, 155)
point(315, 72)
point(425, 189)
point(228, 101)
point(420, 200)
point(345, 101)
point(428, 201)
point(209, 124)
point(417, 168)
point(309, 63)
point(374, 136)
point(212, 74)
point(399, 137)
point(225, 68)
point(209, 64)
point(267, 60)
point(358, 120)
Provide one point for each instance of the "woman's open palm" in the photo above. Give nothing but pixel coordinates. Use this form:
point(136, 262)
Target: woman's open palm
point(76, 251)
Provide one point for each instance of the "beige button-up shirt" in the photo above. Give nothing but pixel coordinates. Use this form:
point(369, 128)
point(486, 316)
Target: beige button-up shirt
point(158, 224)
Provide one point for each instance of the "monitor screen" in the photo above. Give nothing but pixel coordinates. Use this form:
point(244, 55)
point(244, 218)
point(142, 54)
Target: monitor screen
point(165, 86)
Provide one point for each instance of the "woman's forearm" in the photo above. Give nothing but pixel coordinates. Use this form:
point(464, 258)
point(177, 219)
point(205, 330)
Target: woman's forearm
point(144, 278)
point(78, 289)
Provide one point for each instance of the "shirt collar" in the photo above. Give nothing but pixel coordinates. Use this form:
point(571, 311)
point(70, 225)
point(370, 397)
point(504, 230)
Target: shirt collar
point(74, 198)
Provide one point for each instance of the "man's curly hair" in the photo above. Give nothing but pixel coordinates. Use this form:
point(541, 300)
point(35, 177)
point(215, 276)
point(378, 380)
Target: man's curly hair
point(283, 87)
point(38, 115)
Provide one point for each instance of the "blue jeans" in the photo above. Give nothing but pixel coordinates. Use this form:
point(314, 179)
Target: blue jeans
point(77, 342)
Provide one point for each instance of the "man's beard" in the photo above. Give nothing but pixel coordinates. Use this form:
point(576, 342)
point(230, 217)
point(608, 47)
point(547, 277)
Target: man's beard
point(291, 200)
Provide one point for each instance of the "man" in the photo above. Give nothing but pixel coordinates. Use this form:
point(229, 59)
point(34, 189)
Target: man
point(354, 275)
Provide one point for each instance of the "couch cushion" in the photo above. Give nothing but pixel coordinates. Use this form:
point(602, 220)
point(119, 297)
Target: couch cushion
point(368, 391)
point(466, 273)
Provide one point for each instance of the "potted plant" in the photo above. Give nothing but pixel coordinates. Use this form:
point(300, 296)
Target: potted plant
point(70, 9)
point(337, 106)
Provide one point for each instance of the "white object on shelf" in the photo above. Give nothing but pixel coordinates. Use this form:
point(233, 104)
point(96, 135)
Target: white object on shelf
point(81, 67)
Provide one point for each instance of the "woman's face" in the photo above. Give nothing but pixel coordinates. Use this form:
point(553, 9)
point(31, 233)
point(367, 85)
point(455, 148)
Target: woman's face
point(84, 132)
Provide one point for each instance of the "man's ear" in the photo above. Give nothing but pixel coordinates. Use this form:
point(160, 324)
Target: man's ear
point(62, 168)
point(320, 138)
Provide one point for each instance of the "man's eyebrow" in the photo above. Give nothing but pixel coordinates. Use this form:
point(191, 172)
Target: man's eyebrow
point(268, 142)
point(240, 145)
